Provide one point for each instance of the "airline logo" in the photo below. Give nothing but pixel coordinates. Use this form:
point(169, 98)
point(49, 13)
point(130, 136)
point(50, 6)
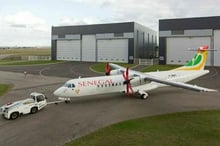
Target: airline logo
point(77, 91)
point(198, 62)
point(94, 82)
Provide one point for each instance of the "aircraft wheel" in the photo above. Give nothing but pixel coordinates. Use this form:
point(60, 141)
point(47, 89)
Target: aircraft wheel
point(144, 96)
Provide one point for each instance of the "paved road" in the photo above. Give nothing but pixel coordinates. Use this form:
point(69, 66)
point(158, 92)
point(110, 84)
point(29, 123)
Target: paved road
point(58, 124)
point(64, 69)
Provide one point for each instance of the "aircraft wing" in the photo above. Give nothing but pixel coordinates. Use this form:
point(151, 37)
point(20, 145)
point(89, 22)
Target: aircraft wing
point(162, 81)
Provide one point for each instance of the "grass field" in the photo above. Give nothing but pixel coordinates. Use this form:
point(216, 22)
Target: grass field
point(201, 128)
point(27, 51)
point(6, 63)
point(100, 67)
point(13, 56)
point(18, 54)
point(159, 67)
point(4, 88)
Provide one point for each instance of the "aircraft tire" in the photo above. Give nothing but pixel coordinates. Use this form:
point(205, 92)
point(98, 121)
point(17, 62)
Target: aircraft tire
point(144, 96)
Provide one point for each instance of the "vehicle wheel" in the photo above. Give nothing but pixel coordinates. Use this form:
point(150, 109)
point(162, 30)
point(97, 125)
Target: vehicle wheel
point(14, 115)
point(144, 96)
point(34, 110)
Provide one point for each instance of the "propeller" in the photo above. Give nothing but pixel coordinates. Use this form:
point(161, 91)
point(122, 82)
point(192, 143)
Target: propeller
point(127, 82)
point(107, 69)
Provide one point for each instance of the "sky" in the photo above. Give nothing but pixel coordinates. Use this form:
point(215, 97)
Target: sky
point(29, 22)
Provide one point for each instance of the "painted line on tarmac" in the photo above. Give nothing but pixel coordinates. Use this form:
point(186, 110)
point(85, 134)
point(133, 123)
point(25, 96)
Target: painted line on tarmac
point(44, 85)
point(42, 70)
point(98, 72)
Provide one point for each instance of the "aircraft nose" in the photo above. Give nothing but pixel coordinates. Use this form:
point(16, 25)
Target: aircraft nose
point(57, 92)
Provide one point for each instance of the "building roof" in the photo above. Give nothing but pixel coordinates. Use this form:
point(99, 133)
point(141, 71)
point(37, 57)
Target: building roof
point(190, 23)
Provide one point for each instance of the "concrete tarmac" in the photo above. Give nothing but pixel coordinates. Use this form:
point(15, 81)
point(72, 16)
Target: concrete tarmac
point(58, 124)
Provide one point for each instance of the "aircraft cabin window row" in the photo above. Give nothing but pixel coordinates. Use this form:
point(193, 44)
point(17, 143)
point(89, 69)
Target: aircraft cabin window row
point(109, 85)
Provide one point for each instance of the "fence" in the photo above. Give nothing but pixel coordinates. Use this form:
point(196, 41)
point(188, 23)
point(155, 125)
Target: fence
point(35, 58)
point(148, 61)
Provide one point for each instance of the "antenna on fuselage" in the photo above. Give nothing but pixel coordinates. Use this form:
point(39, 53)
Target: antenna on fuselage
point(79, 77)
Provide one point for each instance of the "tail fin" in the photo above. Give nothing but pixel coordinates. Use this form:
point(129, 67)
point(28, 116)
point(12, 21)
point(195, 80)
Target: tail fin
point(198, 62)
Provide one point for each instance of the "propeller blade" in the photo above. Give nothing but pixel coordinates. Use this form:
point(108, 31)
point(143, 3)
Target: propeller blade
point(107, 69)
point(127, 74)
point(127, 82)
point(129, 86)
point(127, 90)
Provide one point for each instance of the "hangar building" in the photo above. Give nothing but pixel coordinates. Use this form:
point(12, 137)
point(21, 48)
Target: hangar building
point(177, 35)
point(116, 42)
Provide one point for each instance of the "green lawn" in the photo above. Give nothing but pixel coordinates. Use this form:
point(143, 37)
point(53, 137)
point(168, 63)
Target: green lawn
point(27, 62)
point(201, 128)
point(27, 51)
point(4, 88)
point(159, 67)
point(100, 67)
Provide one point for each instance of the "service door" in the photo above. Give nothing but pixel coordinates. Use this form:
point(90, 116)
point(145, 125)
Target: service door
point(217, 48)
point(178, 49)
point(113, 50)
point(89, 48)
point(68, 50)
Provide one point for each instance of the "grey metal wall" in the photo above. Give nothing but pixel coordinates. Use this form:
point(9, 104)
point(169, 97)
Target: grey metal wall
point(186, 27)
point(93, 29)
point(145, 42)
point(190, 23)
point(53, 50)
point(139, 45)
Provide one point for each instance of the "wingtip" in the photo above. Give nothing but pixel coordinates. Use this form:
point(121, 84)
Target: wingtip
point(209, 90)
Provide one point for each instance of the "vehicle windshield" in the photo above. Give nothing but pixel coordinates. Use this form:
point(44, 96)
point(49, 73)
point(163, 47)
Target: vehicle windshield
point(32, 97)
point(68, 85)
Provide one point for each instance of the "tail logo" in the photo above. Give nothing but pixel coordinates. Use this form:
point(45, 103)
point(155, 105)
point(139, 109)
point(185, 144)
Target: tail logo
point(198, 62)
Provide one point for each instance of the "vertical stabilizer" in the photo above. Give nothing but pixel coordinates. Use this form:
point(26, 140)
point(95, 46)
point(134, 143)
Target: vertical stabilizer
point(198, 62)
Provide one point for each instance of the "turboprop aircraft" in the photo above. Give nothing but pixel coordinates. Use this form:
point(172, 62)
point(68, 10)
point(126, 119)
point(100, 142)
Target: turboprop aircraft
point(133, 82)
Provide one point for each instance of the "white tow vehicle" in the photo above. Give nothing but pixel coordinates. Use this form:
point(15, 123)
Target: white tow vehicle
point(35, 102)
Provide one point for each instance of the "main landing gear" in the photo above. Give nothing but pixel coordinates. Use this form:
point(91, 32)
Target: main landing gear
point(143, 95)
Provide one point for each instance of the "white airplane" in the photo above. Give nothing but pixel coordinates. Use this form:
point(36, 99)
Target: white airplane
point(133, 82)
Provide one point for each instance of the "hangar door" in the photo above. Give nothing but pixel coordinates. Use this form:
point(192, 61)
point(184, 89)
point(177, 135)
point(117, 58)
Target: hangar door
point(217, 47)
point(113, 50)
point(68, 50)
point(177, 49)
point(89, 48)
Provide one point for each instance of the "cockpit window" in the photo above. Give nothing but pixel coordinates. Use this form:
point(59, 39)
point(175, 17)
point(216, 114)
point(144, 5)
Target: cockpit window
point(68, 85)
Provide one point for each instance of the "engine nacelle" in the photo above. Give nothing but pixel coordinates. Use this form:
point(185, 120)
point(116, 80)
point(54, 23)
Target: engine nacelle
point(115, 72)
